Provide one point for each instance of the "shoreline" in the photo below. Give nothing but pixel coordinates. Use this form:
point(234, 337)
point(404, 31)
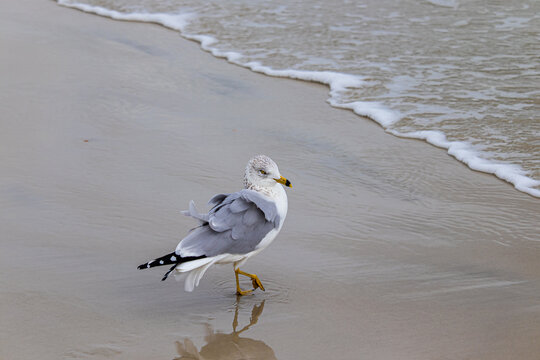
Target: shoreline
point(336, 82)
point(390, 249)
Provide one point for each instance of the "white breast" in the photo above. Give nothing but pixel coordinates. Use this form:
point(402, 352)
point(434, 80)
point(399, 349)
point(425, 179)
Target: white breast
point(280, 197)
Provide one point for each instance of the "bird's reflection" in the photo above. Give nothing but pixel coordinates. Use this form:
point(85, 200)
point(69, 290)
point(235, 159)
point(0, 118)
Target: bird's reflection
point(228, 346)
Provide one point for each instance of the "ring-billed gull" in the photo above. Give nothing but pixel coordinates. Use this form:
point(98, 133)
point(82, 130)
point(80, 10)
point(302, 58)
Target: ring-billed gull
point(238, 226)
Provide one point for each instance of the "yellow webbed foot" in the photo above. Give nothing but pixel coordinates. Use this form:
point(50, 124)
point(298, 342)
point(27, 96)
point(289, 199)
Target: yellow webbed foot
point(254, 280)
point(257, 283)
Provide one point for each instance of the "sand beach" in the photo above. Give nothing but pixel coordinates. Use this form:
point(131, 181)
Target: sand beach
point(391, 248)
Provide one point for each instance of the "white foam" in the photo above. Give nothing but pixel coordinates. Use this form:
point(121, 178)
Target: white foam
point(373, 110)
point(173, 21)
point(338, 82)
point(465, 153)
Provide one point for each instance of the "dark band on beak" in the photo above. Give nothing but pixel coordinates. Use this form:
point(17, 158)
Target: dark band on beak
point(284, 181)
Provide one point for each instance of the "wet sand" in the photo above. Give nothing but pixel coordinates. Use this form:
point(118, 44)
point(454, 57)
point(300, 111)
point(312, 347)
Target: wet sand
point(391, 248)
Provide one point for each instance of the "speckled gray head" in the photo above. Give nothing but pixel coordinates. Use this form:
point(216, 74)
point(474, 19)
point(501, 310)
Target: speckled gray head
point(263, 172)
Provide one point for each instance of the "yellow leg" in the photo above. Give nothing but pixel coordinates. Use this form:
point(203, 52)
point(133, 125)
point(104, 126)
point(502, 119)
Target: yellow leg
point(254, 280)
point(239, 291)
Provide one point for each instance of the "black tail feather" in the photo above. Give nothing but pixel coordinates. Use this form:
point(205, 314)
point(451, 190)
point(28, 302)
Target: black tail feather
point(168, 259)
point(171, 258)
point(168, 272)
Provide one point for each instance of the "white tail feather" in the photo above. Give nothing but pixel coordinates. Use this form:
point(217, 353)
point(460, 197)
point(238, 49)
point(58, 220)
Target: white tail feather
point(191, 265)
point(193, 278)
point(196, 269)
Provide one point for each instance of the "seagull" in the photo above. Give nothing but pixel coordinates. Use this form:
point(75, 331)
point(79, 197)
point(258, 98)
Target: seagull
point(237, 227)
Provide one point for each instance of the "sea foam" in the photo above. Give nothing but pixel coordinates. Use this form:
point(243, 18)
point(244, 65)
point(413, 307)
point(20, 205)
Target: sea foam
point(338, 83)
point(465, 153)
point(172, 21)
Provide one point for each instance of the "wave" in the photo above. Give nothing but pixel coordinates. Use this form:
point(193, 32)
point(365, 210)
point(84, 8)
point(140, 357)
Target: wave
point(338, 83)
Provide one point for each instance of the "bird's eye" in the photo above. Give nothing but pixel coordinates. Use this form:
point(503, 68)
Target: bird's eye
point(262, 172)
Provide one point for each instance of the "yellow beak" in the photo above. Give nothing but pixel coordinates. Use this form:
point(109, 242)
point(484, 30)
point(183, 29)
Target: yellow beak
point(284, 181)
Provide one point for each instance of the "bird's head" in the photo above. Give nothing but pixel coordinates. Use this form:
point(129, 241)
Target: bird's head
point(263, 172)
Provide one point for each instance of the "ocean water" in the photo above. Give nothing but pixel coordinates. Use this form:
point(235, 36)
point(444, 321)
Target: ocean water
point(461, 75)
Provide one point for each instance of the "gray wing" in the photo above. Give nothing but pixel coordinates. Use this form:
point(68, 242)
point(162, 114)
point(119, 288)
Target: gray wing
point(236, 224)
